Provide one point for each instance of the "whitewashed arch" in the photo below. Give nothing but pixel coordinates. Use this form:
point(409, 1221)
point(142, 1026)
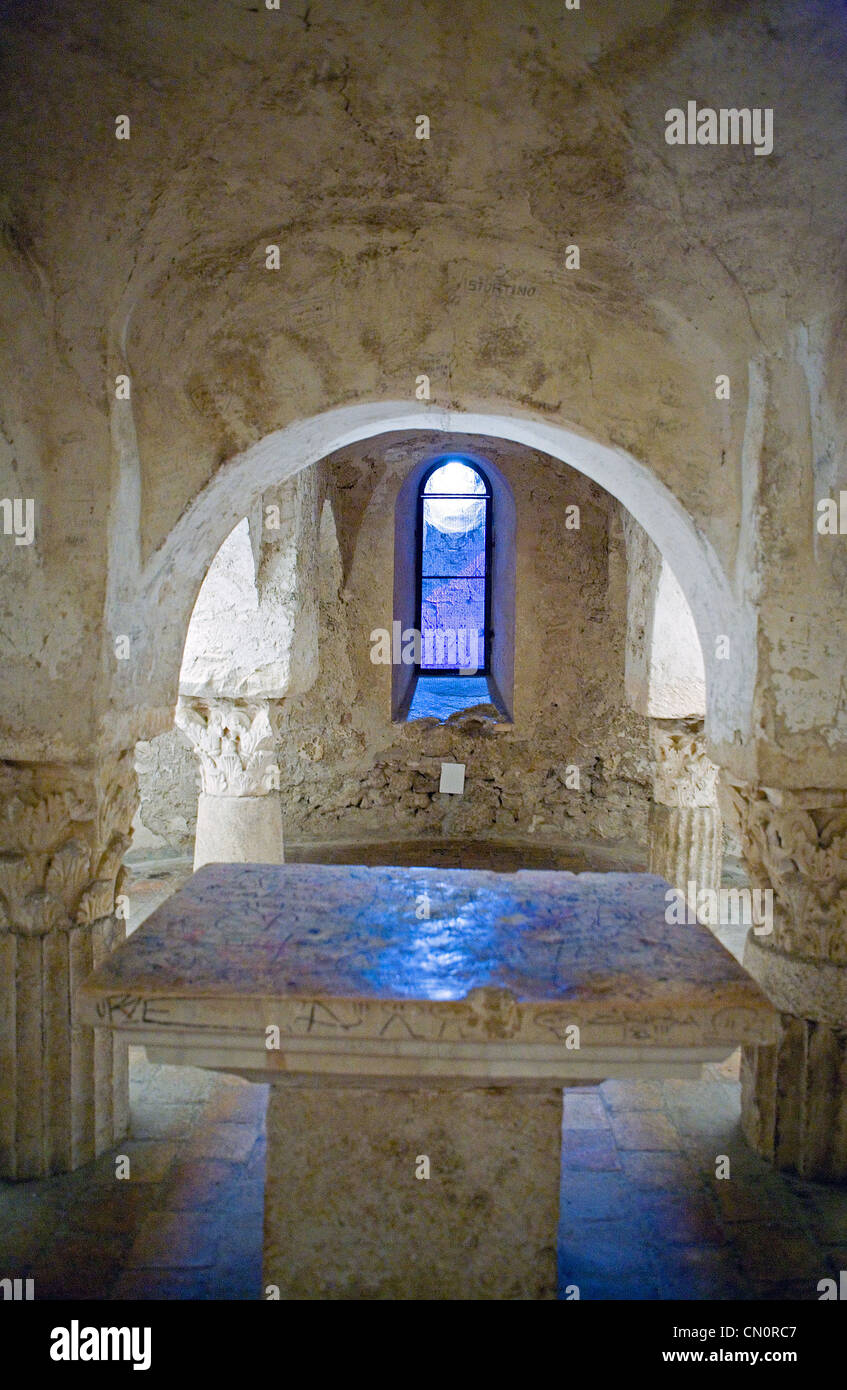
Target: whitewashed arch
point(169, 582)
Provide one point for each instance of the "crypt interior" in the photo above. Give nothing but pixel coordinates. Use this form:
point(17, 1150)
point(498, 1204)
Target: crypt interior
point(362, 453)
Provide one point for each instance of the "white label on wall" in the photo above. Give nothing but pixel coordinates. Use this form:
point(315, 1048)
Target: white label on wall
point(452, 778)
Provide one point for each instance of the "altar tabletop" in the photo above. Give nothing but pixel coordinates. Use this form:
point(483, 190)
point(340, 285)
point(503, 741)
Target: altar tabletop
point(455, 968)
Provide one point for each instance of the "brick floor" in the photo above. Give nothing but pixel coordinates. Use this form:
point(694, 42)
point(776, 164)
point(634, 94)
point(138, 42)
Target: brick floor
point(643, 1214)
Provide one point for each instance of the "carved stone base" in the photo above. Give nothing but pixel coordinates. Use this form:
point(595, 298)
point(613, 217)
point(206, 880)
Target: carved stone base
point(685, 845)
point(63, 1087)
point(238, 830)
point(794, 1099)
point(347, 1218)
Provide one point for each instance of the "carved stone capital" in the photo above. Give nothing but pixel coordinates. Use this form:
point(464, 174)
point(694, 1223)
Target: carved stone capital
point(63, 835)
point(795, 842)
point(234, 743)
point(683, 773)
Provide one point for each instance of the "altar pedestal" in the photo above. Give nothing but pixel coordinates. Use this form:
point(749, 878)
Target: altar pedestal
point(349, 1214)
point(409, 1014)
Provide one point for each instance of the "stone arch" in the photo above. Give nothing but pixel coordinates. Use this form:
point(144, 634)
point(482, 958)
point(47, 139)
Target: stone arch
point(171, 578)
point(665, 672)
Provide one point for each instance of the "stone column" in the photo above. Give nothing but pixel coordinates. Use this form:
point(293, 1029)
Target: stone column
point(63, 834)
point(794, 1094)
point(685, 821)
point(239, 817)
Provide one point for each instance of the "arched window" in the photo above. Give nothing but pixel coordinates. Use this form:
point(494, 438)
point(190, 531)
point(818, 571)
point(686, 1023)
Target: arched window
point(453, 636)
point(454, 570)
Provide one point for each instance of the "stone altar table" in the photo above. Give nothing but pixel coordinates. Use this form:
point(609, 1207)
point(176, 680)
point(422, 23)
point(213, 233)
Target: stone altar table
point(404, 1015)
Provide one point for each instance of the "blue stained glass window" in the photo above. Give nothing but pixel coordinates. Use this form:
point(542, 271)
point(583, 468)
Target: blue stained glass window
point(454, 520)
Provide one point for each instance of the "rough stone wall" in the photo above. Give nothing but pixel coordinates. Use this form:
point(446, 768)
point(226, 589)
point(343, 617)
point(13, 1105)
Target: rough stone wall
point(167, 782)
point(348, 772)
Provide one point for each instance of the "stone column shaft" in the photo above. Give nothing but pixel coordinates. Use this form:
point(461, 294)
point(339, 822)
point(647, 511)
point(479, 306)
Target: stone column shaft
point(347, 1218)
point(794, 1095)
point(63, 1087)
point(239, 816)
point(685, 844)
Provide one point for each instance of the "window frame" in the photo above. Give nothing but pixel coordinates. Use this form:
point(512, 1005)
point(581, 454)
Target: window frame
point(454, 672)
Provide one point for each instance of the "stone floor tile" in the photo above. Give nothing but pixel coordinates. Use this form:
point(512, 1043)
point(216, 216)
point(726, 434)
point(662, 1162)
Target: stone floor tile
point(680, 1218)
point(632, 1095)
point(589, 1150)
point(197, 1184)
point(742, 1199)
point(714, 1106)
point(639, 1287)
point(772, 1254)
point(242, 1197)
point(658, 1168)
point(827, 1207)
point(256, 1164)
point(836, 1260)
point(177, 1085)
point(246, 1103)
point(594, 1196)
point(792, 1291)
point(122, 1213)
point(608, 1261)
point(149, 1159)
point(644, 1130)
point(238, 1285)
point(163, 1284)
point(230, 1141)
point(22, 1243)
point(79, 1265)
point(583, 1111)
point(240, 1243)
point(700, 1272)
point(152, 1120)
point(175, 1240)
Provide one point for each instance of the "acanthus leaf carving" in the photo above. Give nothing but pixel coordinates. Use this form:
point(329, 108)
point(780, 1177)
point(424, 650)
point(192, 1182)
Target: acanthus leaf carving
point(68, 871)
point(112, 857)
point(234, 744)
point(799, 849)
point(16, 880)
point(684, 775)
point(69, 842)
point(39, 825)
point(118, 801)
point(40, 913)
point(96, 902)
